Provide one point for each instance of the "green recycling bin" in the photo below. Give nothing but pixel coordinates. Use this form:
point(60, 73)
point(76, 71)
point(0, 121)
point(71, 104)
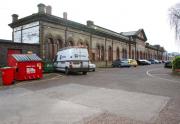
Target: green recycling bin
point(48, 66)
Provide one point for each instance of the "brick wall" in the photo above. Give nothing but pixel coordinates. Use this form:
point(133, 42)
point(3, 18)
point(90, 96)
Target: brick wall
point(8, 44)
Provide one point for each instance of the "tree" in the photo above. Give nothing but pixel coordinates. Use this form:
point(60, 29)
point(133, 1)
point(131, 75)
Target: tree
point(174, 16)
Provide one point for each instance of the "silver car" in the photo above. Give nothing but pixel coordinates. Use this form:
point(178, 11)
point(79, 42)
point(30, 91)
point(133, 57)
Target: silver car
point(92, 67)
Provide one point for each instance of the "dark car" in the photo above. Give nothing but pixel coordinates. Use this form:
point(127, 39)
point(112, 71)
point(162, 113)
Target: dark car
point(120, 63)
point(168, 64)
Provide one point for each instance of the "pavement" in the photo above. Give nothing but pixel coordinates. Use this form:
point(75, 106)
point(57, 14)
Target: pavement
point(141, 95)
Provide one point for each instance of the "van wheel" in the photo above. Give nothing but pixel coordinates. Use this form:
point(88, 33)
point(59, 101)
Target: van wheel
point(84, 72)
point(66, 71)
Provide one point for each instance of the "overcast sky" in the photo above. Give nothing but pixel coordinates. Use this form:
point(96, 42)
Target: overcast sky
point(116, 15)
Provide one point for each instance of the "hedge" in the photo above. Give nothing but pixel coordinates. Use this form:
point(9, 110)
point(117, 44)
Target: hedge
point(176, 63)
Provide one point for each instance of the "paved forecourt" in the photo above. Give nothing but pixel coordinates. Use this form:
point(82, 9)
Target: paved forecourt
point(75, 103)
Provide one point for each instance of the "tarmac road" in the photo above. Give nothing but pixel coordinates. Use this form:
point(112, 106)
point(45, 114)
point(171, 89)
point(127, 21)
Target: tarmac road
point(141, 95)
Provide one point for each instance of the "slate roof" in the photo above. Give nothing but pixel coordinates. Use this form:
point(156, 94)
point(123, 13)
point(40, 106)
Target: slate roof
point(135, 34)
point(130, 33)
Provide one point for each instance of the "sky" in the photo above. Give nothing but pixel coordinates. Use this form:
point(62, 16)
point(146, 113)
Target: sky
point(116, 15)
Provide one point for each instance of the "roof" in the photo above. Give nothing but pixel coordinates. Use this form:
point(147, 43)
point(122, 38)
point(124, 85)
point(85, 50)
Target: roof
point(61, 21)
point(3, 40)
point(135, 34)
point(26, 57)
point(110, 32)
point(130, 33)
point(155, 47)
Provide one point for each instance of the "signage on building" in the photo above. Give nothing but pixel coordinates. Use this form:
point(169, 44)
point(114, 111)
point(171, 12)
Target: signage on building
point(27, 33)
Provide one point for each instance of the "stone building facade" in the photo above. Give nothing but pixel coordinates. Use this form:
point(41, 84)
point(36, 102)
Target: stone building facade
point(52, 33)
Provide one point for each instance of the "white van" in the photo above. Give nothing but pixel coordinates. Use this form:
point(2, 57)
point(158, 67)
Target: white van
point(72, 59)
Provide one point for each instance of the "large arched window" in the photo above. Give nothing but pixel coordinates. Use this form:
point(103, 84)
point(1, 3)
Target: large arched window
point(87, 46)
point(124, 51)
point(98, 52)
point(117, 53)
point(133, 54)
point(49, 45)
point(59, 44)
point(70, 43)
point(141, 55)
point(80, 42)
point(149, 57)
point(102, 53)
point(137, 54)
point(110, 53)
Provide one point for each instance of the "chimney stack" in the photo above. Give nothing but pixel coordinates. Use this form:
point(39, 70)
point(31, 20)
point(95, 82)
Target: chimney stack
point(14, 17)
point(41, 8)
point(65, 15)
point(48, 9)
point(90, 23)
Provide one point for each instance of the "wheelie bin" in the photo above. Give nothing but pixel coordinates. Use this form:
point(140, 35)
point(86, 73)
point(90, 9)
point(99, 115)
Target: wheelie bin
point(48, 66)
point(7, 75)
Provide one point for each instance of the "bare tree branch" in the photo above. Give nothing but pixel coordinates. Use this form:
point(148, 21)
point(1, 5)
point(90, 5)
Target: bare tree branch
point(174, 16)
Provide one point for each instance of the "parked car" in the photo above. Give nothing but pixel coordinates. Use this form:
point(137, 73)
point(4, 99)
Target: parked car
point(157, 61)
point(143, 62)
point(92, 67)
point(153, 61)
point(120, 63)
point(132, 62)
point(168, 64)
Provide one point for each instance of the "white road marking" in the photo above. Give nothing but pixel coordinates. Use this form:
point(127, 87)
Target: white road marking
point(153, 75)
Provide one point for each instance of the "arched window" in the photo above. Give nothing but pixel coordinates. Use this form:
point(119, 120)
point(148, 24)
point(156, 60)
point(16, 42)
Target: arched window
point(137, 54)
point(80, 42)
point(146, 55)
point(87, 46)
point(55, 45)
point(149, 57)
point(110, 53)
point(140, 55)
point(59, 44)
point(102, 53)
point(117, 53)
point(124, 53)
point(70, 43)
point(98, 52)
point(133, 54)
point(49, 49)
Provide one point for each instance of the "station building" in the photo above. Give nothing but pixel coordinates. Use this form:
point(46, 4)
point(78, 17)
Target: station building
point(46, 34)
